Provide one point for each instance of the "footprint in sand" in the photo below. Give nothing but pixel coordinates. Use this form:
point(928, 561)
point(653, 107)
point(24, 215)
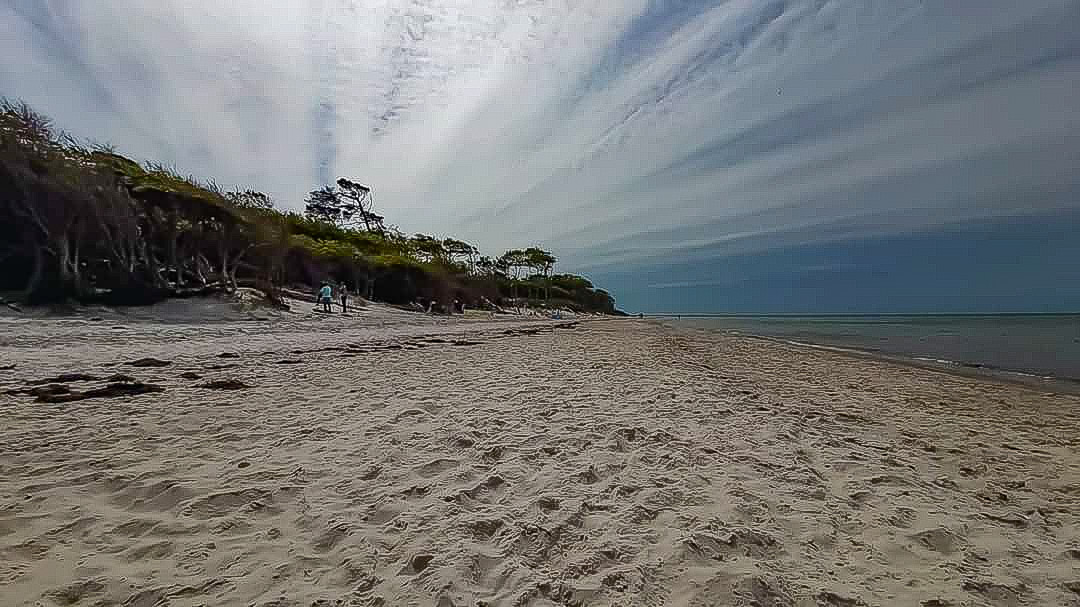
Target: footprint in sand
point(484, 491)
point(462, 442)
point(417, 564)
point(436, 467)
point(334, 535)
point(224, 384)
point(77, 591)
point(747, 591)
point(997, 594)
point(112, 390)
point(939, 540)
point(492, 454)
point(547, 504)
point(153, 550)
point(588, 476)
point(133, 528)
point(64, 378)
point(745, 542)
point(149, 362)
point(903, 518)
point(227, 503)
point(484, 529)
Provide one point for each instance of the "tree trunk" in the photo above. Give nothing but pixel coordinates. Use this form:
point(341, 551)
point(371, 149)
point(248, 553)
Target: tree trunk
point(201, 263)
point(174, 259)
point(223, 256)
point(80, 287)
point(67, 263)
point(36, 273)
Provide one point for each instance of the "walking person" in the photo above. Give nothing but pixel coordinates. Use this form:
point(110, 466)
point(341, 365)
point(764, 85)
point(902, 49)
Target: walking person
point(344, 298)
point(325, 294)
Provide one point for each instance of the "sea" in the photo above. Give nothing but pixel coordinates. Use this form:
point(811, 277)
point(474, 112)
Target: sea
point(1030, 345)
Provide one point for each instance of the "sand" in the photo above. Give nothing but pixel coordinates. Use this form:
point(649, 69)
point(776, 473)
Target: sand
point(390, 458)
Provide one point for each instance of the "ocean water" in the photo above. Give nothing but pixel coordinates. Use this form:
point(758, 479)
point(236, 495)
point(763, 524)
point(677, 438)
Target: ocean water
point(1044, 345)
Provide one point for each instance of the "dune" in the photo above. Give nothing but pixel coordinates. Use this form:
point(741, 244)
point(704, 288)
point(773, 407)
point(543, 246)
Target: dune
point(390, 458)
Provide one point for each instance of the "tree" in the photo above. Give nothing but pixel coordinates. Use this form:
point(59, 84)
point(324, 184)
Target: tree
point(514, 261)
point(323, 204)
point(461, 252)
point(428, 248)
point(348, 204)
point(358, 201)
point(49, 193)
point(542, 262)
point(249, 199)
point(486, 266)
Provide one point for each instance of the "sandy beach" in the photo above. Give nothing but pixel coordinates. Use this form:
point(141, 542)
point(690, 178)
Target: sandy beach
point(391, 458)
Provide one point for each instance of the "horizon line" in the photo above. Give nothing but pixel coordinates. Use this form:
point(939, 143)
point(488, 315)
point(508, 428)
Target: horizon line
point(843, 314)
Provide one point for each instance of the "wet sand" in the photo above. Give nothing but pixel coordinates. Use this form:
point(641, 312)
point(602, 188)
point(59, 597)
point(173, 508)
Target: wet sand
point(391, 458)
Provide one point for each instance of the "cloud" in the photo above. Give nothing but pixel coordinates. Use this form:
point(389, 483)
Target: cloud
point(616, 133)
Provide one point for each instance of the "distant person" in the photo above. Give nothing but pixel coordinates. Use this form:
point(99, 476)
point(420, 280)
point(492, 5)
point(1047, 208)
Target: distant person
point(344, 298)
point(325, 295)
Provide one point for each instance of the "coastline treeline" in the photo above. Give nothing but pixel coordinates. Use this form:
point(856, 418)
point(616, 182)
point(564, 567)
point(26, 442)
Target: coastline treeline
point(83, 223)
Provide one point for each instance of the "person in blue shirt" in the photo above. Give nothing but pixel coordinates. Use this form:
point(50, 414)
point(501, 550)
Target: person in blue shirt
point(325, 295)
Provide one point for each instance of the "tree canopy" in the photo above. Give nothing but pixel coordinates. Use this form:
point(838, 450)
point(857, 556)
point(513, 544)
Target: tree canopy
point(347, 203)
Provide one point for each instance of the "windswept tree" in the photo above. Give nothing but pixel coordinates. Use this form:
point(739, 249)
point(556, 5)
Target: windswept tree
point(541, 262)
point(513, 262)
point(461, 252)
point(325, 205)
point(50, 190)
point(346, 204)
point(358, 201)
point(486, 266)
point(428, 248)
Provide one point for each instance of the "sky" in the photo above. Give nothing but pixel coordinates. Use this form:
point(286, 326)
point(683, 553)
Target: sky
point(687, 155)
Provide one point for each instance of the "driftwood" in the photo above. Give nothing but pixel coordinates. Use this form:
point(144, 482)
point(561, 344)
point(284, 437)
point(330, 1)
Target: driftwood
point(10, 304)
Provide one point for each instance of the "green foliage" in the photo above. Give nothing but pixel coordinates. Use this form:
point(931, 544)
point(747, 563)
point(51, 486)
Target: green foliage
point(82, 222)
point(249, 199)
point(326, 250)
point(571, 283)
point(347, 203)
point(323, 205)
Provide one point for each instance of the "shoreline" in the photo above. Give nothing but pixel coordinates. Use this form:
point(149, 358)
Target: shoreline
point(1038, 383)
point(1034, 381)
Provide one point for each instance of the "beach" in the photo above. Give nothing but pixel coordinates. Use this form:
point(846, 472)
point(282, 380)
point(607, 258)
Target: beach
point(393, 458)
